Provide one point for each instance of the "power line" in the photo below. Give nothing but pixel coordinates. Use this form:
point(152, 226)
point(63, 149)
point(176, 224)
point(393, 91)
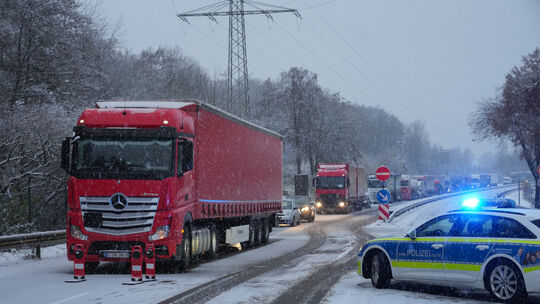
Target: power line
point(377, 70)
point(217, 42)
point(366, 76)
point(383, 61)
point(345, 79)
point(237, 72)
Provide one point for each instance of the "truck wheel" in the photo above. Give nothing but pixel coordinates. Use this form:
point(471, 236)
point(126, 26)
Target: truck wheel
point(251, 241)
point(380, 271)
point(186, 249)
point(258, 232)
point(265, 231)
point(214, 246)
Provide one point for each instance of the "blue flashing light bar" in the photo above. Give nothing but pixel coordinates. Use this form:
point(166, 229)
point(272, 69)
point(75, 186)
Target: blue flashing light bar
point(470, 203)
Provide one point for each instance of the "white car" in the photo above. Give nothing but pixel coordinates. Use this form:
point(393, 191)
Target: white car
point(494, 249)
point(290, 214)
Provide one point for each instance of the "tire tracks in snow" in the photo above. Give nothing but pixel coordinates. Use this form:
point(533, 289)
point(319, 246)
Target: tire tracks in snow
point(315, 286)
point(209, 290)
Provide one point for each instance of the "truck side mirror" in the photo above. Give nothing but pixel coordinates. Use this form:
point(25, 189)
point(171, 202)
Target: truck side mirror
point(348, 182)
point(66, 155)
point(315, 181)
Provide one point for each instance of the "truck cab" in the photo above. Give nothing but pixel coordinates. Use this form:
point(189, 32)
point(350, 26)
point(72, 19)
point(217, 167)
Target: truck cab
point(331, 189)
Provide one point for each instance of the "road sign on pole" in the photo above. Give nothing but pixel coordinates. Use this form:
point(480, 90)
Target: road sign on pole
point(382, 173)
point(384, 196)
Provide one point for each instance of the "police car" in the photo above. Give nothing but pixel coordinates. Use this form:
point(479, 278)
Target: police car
point(496, 249)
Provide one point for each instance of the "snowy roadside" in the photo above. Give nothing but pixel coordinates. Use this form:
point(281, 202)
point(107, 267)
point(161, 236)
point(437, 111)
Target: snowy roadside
point(351, 288)
point(520, 199)
point(18, 256)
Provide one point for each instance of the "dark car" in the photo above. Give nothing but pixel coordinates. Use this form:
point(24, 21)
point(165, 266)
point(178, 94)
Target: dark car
point(307, 211)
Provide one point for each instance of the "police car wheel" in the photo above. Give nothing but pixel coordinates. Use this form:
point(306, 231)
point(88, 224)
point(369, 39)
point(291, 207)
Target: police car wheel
point(380, 271)
point(505, 282)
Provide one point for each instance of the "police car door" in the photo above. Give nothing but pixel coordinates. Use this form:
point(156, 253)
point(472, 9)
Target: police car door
point(422, 258)
point(468, 248)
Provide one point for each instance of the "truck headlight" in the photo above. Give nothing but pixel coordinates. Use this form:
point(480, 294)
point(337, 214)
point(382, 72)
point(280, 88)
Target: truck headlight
point(76, 232)
point(319, 204)
point(161, 233)
point(342, 204)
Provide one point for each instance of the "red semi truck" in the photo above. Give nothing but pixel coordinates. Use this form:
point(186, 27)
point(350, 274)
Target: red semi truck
point(340, 188)
point(183, 176)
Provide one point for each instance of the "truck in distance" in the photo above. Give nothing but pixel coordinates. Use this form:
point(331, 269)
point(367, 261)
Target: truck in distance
point(339, 188)
point(182, 175)
point(393, 184)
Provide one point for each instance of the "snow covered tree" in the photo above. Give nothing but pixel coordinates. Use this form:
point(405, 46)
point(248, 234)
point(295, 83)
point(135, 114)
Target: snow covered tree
point(515, 113)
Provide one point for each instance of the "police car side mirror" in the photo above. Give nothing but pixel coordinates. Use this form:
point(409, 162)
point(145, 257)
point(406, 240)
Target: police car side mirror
point(412, 234)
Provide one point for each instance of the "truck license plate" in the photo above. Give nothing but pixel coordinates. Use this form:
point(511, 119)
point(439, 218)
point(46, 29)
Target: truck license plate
point(115, 254)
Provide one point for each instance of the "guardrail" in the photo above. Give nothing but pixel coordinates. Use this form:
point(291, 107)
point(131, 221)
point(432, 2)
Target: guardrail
point(433, 199)
point(34, 240)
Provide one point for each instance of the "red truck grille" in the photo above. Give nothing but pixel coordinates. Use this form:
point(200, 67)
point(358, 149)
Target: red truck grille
point(101, 217)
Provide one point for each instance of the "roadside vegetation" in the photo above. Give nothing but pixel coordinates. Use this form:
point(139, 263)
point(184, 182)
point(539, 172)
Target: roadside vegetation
point(58, 57)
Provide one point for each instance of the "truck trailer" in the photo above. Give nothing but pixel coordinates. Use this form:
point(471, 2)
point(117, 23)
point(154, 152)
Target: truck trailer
point(340, 188)
point(183, 176)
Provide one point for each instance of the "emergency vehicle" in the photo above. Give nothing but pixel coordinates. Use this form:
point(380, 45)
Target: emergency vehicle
point(494, 249)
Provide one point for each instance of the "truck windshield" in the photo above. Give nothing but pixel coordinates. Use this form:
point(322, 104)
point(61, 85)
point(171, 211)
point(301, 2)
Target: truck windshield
point(331, 182)
point(132, 157)
point(404, 183)
point(375, 183)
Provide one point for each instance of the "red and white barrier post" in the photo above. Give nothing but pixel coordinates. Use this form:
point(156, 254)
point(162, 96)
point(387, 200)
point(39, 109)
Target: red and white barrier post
point(150, 273)
point(78, 264)
point(384, 212)
point(136, 264)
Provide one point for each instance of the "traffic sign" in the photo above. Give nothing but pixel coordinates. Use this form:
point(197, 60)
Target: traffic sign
point(383, 196)
point(382, 173)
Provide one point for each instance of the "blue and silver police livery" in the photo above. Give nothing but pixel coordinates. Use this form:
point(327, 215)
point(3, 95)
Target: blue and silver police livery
point(495, 249)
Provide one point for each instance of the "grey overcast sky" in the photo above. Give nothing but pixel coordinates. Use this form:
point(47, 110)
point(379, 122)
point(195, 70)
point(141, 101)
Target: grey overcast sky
point(418, 59)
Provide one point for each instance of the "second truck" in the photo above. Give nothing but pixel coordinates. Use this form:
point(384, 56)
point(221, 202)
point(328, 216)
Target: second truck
point(340, 188)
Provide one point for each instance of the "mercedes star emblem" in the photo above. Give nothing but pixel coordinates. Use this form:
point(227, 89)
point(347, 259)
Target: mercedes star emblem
point(119, 201)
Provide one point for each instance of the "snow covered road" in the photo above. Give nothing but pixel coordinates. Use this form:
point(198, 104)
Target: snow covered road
point(309, 263)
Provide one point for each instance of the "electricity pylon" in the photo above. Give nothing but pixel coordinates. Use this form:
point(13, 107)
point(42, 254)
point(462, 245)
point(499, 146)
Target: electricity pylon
point(237, 73)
